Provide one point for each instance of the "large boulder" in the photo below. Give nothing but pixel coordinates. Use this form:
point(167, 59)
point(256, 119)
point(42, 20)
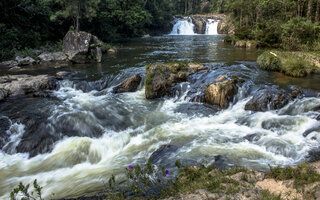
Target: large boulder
point(221, 91)
point(130, 85)
point(268, 99)
point(161, 77)
point(82, 47)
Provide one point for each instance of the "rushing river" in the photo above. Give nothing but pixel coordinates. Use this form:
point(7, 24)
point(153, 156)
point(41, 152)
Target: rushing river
point(84, 133)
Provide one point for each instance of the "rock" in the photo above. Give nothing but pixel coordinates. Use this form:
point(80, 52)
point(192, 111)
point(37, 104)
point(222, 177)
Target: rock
point(9, 63)
point(199, 25)
point(82, 47)
point(318, 95)
point(15, 85)
point(295, 92)
point(162, 153)
point(161, 77)
point(314, 155)
point(251, 44)
point(221, 92)
point(316, 128)
point(25, 61)
point(112, 51)
point(241, 44)
point(3, 94)
point(266, 99)
point(146, 36)
point(130, 85)
point(252, 137)
point(14, 69)
point(53, 57)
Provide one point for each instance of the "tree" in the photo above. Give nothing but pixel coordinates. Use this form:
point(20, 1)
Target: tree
point(74, 9)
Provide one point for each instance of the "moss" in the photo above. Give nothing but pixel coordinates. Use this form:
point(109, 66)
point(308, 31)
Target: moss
point(177, 66)
point(148, 81)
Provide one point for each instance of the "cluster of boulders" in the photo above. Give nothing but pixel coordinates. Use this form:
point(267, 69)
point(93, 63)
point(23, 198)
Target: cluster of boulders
point(78, 47)
point(21, 85)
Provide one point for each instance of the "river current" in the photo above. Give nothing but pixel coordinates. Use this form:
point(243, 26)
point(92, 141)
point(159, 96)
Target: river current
point(84, 133)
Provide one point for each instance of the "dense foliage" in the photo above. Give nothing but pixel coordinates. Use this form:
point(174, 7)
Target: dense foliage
point(289, 24)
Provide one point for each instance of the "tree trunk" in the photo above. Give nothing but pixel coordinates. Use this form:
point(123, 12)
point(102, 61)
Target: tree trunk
point(77, 18)
point(309, 13)
point(316, 17)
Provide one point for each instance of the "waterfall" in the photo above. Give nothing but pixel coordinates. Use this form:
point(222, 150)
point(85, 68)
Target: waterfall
point(212, 27)
point(183, 26)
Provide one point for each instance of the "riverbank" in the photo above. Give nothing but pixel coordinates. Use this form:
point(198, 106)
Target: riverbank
point(291, 63)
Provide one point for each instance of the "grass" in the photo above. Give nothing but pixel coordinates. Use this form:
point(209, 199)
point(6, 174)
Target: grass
point(295, 64)
point(266, 195)
point(302, 175)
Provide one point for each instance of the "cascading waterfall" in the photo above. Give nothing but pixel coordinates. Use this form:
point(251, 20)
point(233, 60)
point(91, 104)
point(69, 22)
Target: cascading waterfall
point(212, 27)
point(183, 26)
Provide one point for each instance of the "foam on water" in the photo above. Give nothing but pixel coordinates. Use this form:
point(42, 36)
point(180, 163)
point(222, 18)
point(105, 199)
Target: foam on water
point(79, 165)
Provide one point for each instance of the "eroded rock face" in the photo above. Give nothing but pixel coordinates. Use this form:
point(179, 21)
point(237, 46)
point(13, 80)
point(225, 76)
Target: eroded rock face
point(130, 85)
point(266, 99)
point(161, 77)
point(82, 47)
point(221, 92)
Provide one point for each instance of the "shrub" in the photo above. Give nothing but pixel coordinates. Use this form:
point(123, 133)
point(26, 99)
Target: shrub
point(269, 62)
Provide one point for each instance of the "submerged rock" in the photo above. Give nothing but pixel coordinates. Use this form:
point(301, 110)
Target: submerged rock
point(267, 99)
point(130, 85)
point(162, 153)
point(161, 77)
point(82, 47)
point(221, 92)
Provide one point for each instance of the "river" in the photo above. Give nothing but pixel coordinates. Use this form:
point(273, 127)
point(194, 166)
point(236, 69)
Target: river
point(84, 133)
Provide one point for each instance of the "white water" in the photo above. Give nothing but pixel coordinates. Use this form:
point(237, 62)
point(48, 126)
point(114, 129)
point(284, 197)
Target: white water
point(183, 27)
point(212, 27)
point(79, 165)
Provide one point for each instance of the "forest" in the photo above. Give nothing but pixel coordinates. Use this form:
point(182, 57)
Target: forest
point(29, 24)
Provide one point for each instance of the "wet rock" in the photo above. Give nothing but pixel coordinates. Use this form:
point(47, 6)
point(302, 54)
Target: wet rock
point(219, 161)
point(25, 61)
point(112, 51)
point(316, 128)
point(15, 69)
point(161, 77)
point(252, 137)
point(295, 92)
point(9, 63)
point(82, 47)
point(241, 44)
point(199, 25)
point(130, 85)
point(15, 85)
point(162, 153)
point(314, 155)
point(221, 92)
point(53, 57)
point(265, 100)
point(3, 94)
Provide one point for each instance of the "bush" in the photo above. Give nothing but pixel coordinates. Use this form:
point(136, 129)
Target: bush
point(269, 62)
